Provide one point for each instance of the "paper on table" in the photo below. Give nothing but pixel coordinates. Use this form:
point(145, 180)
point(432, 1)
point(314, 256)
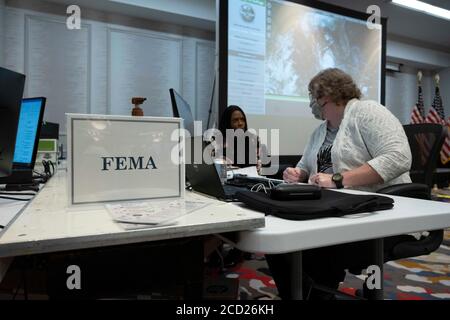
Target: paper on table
point(152, 212)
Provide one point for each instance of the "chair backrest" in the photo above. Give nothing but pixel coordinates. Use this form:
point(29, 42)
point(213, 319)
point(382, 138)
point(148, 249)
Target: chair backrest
point(425, 141)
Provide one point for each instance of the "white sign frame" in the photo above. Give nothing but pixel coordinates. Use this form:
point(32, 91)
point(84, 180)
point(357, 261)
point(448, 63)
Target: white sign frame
point(73, 154)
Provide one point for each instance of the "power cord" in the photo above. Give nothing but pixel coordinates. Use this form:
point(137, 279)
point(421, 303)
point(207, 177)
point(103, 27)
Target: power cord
point(49, 167)
point(18, 194)
point(49, 171)
point(12, 198)
point(261, 187)
point(7, 195)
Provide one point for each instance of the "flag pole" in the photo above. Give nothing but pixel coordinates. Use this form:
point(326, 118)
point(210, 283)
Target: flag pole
point(437, 79)
point(419, 78)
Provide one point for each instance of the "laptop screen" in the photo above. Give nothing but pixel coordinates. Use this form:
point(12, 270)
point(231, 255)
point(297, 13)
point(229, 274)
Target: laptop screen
point(30, 119)
point(181, 109)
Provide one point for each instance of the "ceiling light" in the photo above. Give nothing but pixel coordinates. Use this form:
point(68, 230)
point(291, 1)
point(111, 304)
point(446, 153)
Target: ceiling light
point(424, 7)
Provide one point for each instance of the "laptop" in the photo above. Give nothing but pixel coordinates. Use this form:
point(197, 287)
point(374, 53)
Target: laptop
point(203, 177)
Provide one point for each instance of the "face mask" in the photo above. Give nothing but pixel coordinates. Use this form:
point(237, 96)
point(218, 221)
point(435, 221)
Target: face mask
point(316, 109)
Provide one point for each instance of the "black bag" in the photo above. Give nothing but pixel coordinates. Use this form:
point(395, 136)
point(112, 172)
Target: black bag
point(290, 191)
point(331, 204)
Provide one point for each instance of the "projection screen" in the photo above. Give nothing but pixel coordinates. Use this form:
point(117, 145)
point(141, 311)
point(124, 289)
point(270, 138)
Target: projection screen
point(270, 49)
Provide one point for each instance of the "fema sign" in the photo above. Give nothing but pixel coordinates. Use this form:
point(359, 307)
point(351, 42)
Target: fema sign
point(118, 158)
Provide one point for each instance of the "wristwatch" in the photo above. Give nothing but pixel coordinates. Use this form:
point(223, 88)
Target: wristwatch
point(337, 179)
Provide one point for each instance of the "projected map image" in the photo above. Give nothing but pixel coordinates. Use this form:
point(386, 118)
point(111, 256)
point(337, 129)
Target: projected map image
point(275, 48)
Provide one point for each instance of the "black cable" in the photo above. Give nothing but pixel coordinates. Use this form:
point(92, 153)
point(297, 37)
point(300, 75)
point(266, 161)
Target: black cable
point(11, 198)
point(18, 194)
point(53, 167)
point(49, 168)
point(39, 174)
point(212, 100)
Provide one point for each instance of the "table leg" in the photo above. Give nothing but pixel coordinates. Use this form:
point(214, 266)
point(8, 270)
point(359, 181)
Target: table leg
point(296, 275)
point(4, 266)
point(378, 260)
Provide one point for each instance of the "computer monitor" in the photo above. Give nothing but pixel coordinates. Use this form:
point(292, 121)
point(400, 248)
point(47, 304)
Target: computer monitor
point(181, 109)
point(50, 130)
point(27, 140)
point(30, 122)
point(11, 91)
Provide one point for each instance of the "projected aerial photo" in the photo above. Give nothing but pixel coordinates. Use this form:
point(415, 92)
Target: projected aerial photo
point(276, 47)
point(301, 41)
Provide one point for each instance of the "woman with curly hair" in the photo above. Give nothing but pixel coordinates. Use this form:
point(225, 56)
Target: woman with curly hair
point(360, 145)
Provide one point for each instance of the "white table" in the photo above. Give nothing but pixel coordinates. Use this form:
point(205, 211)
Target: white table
point(287, 236)
point(9, 210)
point(48, 225)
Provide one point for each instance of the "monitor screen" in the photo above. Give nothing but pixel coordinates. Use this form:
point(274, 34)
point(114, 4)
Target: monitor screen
point(11, 91)
point(181, 109)
point(31, 112)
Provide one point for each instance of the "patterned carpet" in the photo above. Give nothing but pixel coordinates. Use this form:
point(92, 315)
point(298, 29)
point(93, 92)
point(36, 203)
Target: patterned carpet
point(420, 278)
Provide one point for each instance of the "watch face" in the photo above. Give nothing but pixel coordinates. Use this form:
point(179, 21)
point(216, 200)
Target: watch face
point(337, 177)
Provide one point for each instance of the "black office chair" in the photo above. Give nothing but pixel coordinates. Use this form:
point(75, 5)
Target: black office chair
point(426, 141)
point(406, 246)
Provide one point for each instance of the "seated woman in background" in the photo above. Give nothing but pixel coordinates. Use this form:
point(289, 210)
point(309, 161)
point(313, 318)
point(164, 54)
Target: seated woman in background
point(233, 118)
point(360, 145)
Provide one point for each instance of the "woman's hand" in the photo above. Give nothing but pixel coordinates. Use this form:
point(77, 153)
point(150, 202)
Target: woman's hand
point(292, 175)
point(322, 180)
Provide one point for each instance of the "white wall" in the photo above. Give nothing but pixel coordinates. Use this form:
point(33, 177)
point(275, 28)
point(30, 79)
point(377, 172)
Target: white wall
point(202, 9)
point(417, 54)
point(80, 72)
point(401, 92)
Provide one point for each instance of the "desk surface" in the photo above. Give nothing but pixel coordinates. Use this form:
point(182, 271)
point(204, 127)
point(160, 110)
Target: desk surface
point(407, 216)
point(8, 210)
point(47, 224)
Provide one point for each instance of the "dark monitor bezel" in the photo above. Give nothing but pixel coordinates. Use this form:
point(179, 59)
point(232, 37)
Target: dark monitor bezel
point(30, 165)
point(175, 110)
point(12, 85)
point(49, 130)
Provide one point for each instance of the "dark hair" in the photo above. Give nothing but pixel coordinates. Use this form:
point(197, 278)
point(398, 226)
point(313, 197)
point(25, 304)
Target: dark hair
point(225, 119)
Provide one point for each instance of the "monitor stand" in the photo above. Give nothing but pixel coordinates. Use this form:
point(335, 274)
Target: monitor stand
point(20, 180)
point(22, 187)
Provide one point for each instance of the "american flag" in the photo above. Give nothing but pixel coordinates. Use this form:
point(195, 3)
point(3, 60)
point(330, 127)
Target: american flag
point(418, 117)
point(418, 113)
point(436, 115)
point(445, 152)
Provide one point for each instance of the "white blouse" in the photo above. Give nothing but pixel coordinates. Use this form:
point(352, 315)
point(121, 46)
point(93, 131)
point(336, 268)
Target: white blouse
point(369, 133)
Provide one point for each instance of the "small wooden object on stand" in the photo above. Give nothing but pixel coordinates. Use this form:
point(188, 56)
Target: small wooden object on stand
point(137, 110)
